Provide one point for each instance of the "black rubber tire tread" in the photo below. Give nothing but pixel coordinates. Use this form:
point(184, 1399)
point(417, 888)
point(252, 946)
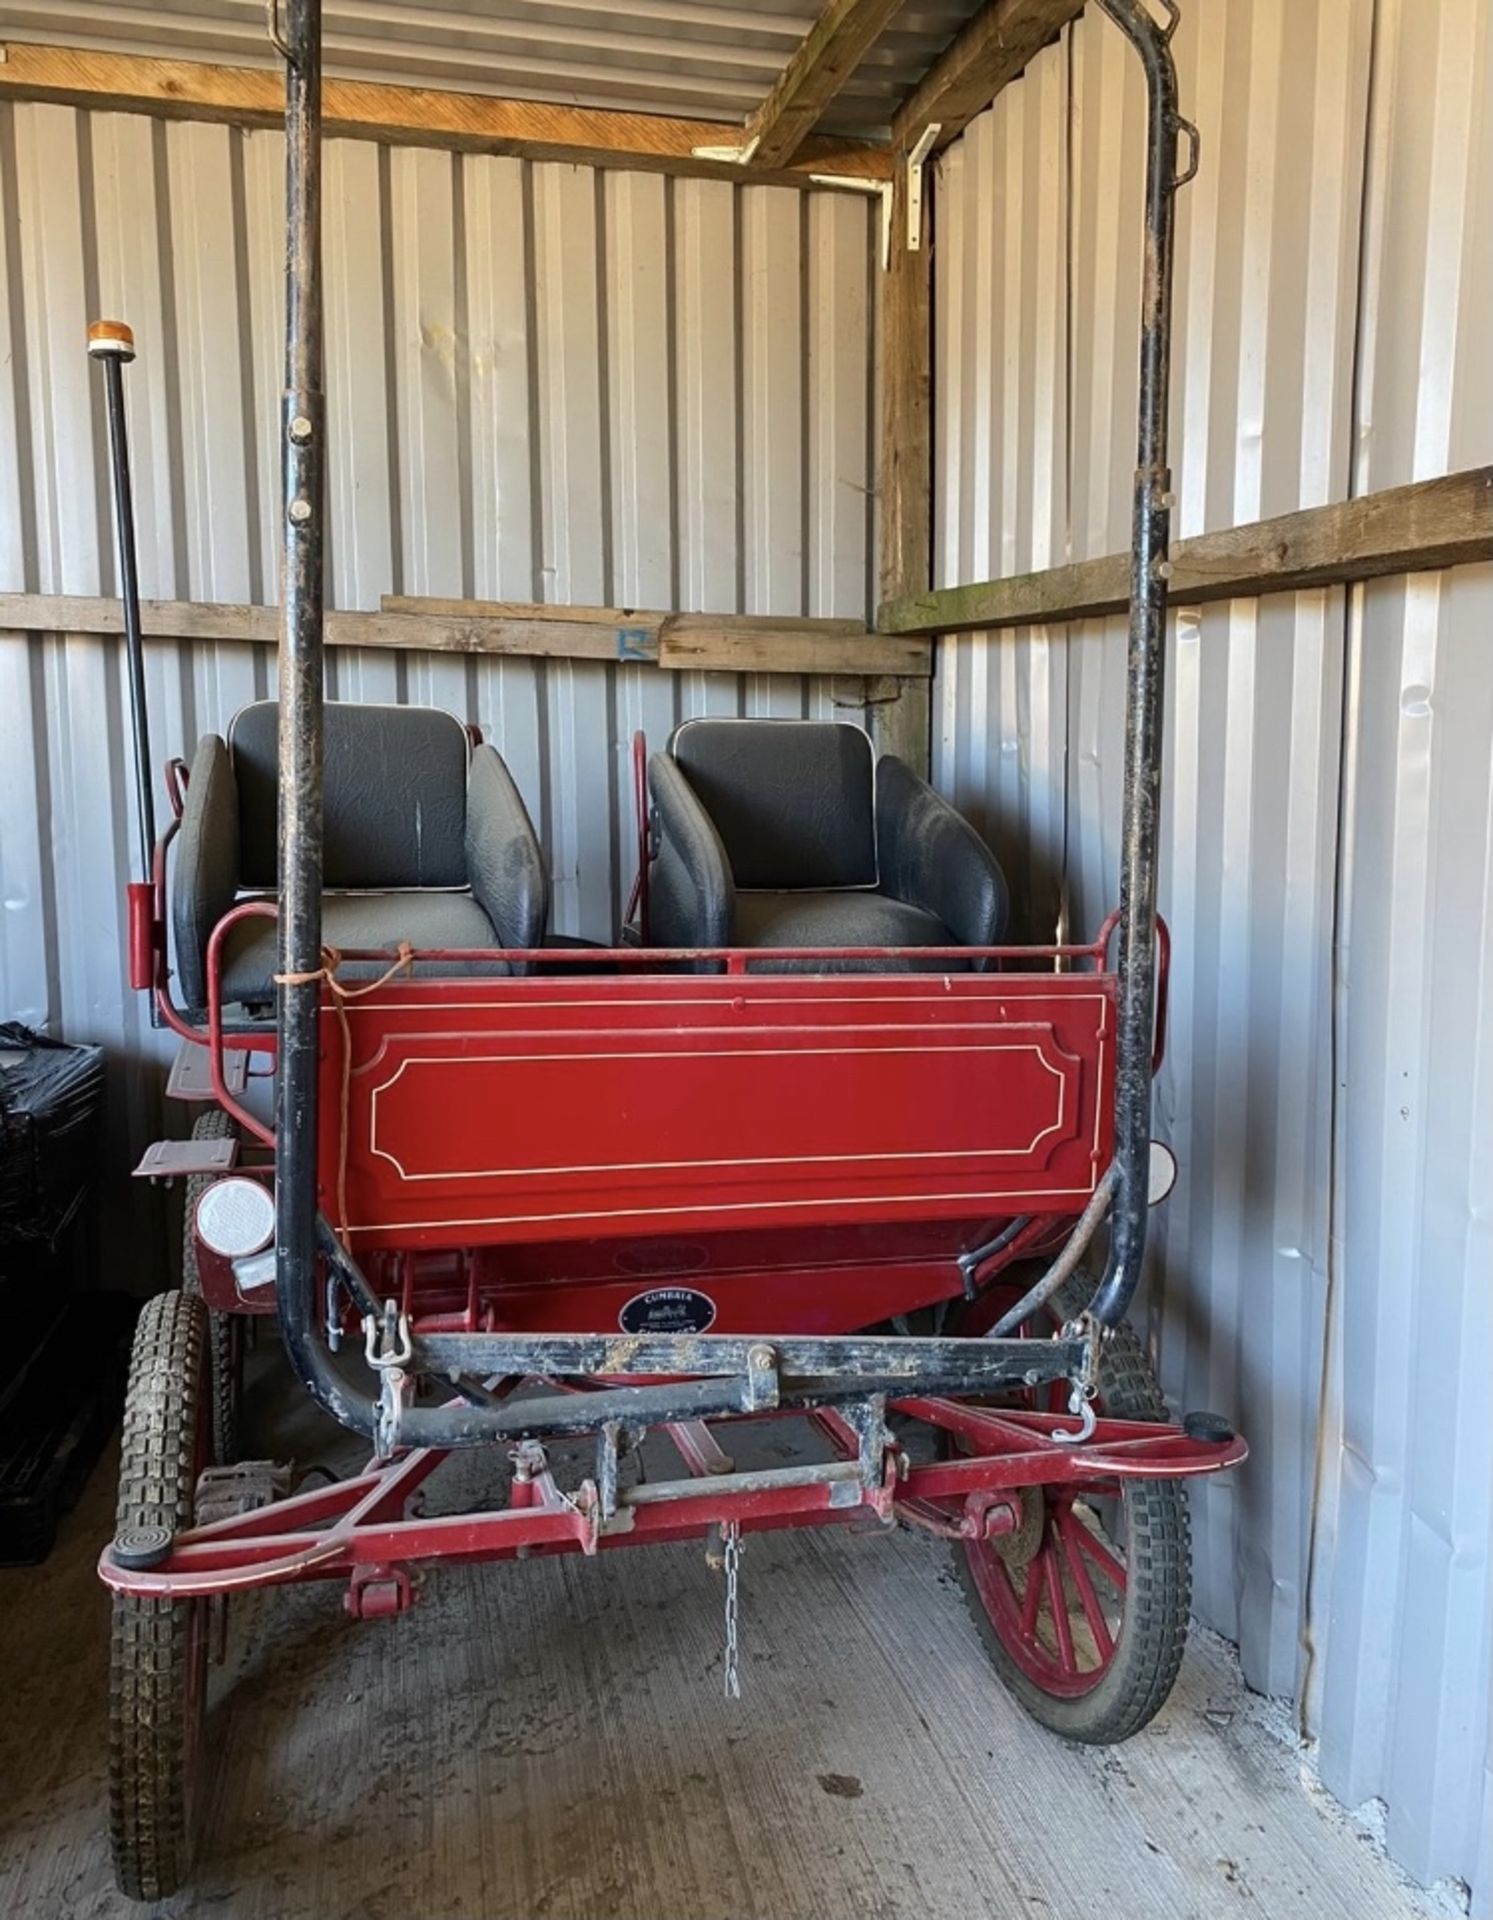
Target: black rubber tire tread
point(1158, 1566)
point(151, 1642)
point(225, 1330)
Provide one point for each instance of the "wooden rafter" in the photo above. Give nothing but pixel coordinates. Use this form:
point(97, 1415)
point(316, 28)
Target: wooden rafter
point(990, 52)
point(831, 51)
point(1413, 529)
point(413, 116)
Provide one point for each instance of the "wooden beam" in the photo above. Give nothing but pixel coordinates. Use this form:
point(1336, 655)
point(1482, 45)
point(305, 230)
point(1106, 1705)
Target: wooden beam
point(698, 645)
point(411, 116)
point(831, 51)
point(694, 641)
point(723, 642)
point(1430, 524)
point(636, 618)
point(901, 721)
point(990, 52)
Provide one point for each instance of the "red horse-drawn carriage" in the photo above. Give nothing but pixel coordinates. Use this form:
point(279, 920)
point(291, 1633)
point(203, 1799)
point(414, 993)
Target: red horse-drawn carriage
point(809, 1142)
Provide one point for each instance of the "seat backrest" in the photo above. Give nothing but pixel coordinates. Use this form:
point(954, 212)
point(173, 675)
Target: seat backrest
point(395, 787)
point(794, 801)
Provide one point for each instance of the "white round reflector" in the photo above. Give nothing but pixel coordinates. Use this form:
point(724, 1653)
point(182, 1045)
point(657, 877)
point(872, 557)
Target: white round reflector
point(1163, 1172)
point(236, 1216)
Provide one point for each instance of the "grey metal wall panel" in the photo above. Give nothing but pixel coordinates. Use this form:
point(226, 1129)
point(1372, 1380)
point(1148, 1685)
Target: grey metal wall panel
point(544, 382)
point(1001, 392)
point(1327, 835)
point(1240, 1259)
point(1405, 1593)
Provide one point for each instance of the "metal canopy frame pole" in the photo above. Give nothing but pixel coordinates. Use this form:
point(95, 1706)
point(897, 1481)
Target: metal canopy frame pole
point(1146, 659)
point(302, 609)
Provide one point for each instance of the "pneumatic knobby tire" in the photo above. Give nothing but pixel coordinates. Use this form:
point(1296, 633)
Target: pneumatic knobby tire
point(158, 1648)
point(1124, 1688)
point(225, 1330)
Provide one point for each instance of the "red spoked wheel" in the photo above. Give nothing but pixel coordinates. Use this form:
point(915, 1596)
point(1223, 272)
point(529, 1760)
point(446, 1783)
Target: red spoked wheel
point(1083, 1608)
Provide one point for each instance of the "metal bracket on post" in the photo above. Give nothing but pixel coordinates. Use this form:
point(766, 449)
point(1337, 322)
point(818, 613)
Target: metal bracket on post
point(882, 188)
point(917, 159)
point(730, 156)
point(760, 1385)
point(876, 1471)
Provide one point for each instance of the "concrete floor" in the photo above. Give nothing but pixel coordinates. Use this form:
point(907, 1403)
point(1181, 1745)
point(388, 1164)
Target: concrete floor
point(550, 1740)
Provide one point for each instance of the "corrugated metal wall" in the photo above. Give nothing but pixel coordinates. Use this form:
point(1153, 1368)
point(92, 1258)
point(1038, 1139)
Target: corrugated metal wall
point(545, 383)
point(1403, 1598)
point(709, 59)
point(1324, 1271)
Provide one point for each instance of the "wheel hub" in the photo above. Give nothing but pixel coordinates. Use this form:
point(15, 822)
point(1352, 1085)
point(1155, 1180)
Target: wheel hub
point(1018, 1548)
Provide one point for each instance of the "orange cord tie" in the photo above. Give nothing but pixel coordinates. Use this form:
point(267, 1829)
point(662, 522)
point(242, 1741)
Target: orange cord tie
point(331, 960)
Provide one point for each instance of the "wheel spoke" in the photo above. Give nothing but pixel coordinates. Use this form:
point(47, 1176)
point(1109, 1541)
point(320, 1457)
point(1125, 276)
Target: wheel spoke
point(1057, 1600)
point(1067, 1526)
point(1030, 1601)
point(1108, 1565)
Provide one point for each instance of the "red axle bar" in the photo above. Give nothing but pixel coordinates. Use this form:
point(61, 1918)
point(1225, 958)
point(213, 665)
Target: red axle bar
point(333, 1531)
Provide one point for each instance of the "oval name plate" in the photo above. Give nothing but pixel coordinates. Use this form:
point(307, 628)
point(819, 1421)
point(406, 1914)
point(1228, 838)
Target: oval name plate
point(668, 1310)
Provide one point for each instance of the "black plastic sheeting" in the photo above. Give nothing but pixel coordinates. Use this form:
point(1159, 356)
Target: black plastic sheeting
point(51, 1098)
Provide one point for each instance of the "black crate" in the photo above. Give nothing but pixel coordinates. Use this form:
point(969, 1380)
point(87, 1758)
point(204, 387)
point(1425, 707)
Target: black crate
point(56, 1418)
point(51, 1101)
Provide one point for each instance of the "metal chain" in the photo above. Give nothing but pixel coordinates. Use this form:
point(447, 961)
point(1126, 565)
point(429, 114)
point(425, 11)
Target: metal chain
point(731, 1543)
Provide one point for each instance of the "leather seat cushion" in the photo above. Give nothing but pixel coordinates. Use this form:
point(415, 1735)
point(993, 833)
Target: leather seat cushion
point(394, 795)
point(863, 918)
point(364, 920)
point(794, 801)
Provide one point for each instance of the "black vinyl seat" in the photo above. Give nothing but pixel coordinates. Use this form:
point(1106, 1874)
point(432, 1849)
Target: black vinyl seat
point(426, 840)
point(790, 833)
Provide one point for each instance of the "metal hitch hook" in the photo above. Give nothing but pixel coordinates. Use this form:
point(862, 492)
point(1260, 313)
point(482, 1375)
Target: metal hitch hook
point(1081, 1402)
point(1085, 1385)
point(398, 1347)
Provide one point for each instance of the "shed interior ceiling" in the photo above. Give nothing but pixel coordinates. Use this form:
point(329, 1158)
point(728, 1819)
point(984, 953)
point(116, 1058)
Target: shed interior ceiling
point(710, 59)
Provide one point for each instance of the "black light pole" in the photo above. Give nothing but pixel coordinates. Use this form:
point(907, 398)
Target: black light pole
point(111, 343)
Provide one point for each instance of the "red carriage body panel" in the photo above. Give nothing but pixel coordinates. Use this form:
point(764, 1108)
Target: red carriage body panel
point(534, 1111)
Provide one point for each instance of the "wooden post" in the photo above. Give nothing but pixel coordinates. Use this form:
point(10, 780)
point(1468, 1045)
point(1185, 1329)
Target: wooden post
point(901, 720)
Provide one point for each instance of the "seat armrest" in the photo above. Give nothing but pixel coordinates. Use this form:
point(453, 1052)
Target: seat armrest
point(691, 893)
point(931, 857)
point(505, 864)
point(205, 877)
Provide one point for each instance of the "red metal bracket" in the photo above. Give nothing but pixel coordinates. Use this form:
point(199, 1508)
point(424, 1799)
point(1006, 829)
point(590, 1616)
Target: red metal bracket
point(245, 910)
point(378, 1593)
